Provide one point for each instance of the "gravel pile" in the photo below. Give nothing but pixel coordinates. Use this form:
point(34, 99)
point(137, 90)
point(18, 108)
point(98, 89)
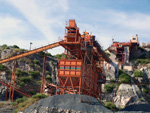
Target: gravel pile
point(68, 103)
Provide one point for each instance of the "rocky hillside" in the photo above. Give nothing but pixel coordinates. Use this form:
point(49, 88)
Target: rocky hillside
point(132, 87)
point(29, 70)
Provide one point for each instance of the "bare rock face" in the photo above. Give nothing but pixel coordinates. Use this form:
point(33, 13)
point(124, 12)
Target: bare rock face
point(6, 53)
point(127, 95)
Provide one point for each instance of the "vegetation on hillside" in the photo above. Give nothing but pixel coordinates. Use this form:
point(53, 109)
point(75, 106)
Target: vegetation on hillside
point(22, 103)
point(123, 77)
point(109, 87)
point(111, 106)
point(138, 73)
point(142, 61)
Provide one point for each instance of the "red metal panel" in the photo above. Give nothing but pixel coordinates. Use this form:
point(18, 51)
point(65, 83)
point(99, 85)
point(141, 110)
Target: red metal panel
point(72, 23)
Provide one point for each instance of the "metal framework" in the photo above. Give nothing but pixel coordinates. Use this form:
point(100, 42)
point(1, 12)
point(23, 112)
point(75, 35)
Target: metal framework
point(12, 83)
point(118, 48)
point(43, 74)
point(81, 71)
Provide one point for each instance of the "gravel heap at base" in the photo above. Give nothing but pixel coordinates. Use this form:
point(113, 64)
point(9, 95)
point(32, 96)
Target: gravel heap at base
point(68, 103)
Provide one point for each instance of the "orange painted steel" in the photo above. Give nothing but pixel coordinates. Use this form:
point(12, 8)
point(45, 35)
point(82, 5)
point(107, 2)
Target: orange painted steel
point(11, 86)
point(15, 88)
point(12, 83)
point(43, 74)
point(31, 52)
point(69, 74)
point(81, 71)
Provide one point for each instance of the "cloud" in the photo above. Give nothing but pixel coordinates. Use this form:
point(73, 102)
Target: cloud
point(11, 27)
point(138, 21)
point(40, 14)
point(119, 25)
point(39, 23)
point(43, 21)
point(13, 32)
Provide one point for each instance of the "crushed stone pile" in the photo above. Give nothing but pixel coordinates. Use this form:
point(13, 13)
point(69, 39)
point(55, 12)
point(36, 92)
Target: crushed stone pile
point(68, 103)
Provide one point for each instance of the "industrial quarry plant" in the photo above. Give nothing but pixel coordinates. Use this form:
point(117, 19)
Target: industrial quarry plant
point(85, 78)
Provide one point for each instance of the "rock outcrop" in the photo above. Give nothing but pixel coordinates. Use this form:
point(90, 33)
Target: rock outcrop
point(127, 95)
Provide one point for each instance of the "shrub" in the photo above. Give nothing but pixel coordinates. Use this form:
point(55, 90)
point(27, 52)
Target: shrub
point(145, 90)
point(140, 99)
point(39, 96)
point(48, 72)
point(2, 67)
point(7, 47)
point(142, 61)
point(20, 100)
point(111, 106)
point(112, 80)
point(25, 79)
point(32, 92)
point(120, 72)
point(41, 54)
point(49, 78)
point(108, 54)
point(4, 46)
point(124, 78)
point(49, 54)
point(15, 111)
point(36, 61)
point(34, 74)
point(20, 73)
point(21, 84)
point(138, 73)
point(31, 65)
point(58, 56)
point(13, 103)
point(109, 87)
point(15, 46)
point(8, 72)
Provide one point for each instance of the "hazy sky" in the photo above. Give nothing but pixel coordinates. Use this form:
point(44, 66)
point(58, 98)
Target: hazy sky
point(43, 21)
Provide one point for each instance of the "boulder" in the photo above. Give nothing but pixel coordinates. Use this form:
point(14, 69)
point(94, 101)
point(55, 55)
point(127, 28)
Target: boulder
point(127, 95)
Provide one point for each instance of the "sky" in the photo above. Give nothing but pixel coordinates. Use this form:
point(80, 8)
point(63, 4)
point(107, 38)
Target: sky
point(43, 22)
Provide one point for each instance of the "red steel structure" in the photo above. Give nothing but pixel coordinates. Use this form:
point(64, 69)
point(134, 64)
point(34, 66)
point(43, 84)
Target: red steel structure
point(81, 72)
point(119, 47)
point(43, 74)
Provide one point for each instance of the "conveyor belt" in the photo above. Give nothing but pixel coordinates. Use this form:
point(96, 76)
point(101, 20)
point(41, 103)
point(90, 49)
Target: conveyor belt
point(31, 52)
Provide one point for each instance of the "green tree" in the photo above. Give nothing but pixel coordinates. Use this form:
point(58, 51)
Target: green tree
point(36, 61)
point(58, 56)
point(4, 46)
point(2, 67)
point(109, 87)
point(34, 74)
point(124, 78)
point(138, 73)
point(49, 78)
point(20, 73)
point(15, 46)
